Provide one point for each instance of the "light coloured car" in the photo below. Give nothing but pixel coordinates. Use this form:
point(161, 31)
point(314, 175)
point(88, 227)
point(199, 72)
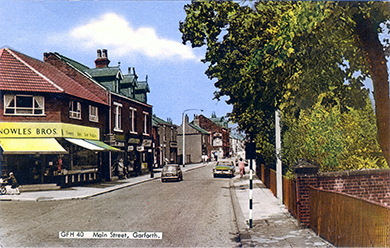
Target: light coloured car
point(224, 168)
point(171, 172)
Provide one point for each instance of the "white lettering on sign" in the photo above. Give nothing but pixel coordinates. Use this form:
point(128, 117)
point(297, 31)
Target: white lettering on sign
point(109, 235)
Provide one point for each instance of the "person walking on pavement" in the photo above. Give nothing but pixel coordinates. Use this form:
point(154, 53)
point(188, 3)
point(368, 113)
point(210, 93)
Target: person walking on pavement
point(241, 166)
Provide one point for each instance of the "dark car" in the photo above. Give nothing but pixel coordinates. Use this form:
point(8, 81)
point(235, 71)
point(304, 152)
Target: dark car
point(224, 168)
point(171, 172)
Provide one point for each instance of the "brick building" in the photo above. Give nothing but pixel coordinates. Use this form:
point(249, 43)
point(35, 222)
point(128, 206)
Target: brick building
point(52, 126)
point(166, 141)
point(129, 117)
point(219, 146)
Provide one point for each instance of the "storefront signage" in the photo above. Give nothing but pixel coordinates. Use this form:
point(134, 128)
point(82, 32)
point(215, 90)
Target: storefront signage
point(47, 130)
point(147, 143)
point(134, 141)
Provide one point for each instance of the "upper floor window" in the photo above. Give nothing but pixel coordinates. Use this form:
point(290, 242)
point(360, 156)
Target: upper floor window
point(75, 110)
point(93, 113)
point(117, 117)
point(24, 105)
point(133, 120)
point(146, 123)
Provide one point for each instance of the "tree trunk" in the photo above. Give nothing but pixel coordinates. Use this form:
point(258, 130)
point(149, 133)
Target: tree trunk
point(373, 51)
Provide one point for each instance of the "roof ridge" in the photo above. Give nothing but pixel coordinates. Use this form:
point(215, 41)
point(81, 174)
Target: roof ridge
point(33, 69)
point(85, 74)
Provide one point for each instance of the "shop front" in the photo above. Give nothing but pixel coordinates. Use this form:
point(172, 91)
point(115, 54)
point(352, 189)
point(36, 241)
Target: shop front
point(61, 153)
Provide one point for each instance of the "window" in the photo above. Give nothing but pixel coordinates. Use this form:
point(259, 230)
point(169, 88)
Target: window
point(93, 113)
point(117, 117)
point(146, 123)
point(75, 110)
point(24, 105)
point(133, 120)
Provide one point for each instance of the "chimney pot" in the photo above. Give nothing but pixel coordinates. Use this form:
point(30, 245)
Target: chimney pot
point(102, 60)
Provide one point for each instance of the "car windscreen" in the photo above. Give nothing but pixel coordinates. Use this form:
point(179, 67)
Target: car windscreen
point(170, 168)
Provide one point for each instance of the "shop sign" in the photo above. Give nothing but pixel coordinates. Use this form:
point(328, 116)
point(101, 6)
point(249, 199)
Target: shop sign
point(133, 141)
point(147, 143)
point(119, 144)
point(47, 130)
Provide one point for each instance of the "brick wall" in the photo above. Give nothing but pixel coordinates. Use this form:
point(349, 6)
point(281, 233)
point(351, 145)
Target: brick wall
point(373, 185)
point(303, 206)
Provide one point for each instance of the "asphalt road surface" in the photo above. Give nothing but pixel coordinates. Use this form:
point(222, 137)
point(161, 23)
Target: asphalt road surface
point(196, 212)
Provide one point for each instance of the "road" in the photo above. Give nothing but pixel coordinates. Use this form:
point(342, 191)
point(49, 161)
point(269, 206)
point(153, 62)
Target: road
point(194, 212)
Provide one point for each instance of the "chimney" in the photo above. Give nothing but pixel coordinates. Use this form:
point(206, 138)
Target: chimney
point(102, 59)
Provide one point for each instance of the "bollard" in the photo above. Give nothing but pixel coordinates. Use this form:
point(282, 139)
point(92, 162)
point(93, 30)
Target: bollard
point(250, 194)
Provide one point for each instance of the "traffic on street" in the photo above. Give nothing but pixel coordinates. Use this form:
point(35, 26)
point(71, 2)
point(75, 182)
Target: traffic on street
point(197, 211)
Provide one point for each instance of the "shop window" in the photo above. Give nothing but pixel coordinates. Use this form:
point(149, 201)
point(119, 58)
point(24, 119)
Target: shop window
point(146, 123)
point(93, 113)
point(24, 105)
point(117, 117)
point(133, 120)
point(75, 110)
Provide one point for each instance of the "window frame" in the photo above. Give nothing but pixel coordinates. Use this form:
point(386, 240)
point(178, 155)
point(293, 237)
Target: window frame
point(133, 120)
point(118, 117)
point(75, 114)
point(92, 116)
point(12, 98)
point(145, 124)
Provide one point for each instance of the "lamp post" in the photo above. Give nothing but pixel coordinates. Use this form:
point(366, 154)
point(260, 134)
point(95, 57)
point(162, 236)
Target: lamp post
point(184, 134)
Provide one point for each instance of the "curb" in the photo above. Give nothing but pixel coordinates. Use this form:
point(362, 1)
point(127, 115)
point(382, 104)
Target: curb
point(111, 189)
point(238, 215)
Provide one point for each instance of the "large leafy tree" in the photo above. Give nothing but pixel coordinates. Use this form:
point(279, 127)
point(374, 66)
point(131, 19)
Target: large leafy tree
point(284, 54)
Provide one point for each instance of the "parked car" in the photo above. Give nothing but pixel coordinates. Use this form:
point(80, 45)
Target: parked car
point(224, 168)
point(171, 172)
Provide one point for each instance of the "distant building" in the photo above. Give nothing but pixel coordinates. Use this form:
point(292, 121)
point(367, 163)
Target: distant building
point(237, 145)
point(218, 146)
point(166, 141)
point(196, 142)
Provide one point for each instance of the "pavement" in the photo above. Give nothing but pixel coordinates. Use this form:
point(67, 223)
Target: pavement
point(272, 225)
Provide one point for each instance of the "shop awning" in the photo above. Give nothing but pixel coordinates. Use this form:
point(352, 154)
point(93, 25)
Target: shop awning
point(103, 145)
point(31, 146)
point(92, 145)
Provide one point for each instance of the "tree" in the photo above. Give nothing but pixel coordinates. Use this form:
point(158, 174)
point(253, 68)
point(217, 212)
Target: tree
point(285, 54)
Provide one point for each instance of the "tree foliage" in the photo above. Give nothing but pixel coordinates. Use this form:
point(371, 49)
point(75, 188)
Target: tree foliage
point(284, 54)
point(336, 139)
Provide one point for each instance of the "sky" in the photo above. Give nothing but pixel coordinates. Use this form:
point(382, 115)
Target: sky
point(140, 34)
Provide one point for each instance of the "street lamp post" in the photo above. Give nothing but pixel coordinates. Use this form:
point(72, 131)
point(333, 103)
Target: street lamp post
point(184, 134)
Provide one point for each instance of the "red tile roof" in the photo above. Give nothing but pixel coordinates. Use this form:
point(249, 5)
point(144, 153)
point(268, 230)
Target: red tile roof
point(19, 72)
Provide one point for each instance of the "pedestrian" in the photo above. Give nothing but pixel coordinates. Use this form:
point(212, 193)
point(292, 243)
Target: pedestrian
point(121, 167)
point(14, 184)
point(241, 166)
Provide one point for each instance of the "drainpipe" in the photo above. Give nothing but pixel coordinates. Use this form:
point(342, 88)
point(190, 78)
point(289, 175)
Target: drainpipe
point(109, 133)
